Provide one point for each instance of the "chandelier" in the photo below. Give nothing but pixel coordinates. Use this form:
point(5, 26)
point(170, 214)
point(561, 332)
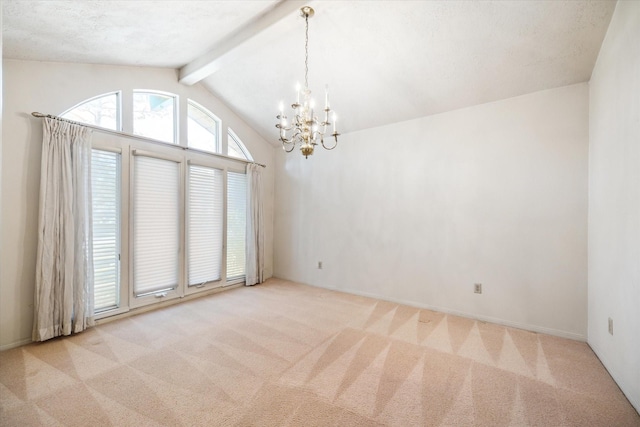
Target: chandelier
point(306, 127)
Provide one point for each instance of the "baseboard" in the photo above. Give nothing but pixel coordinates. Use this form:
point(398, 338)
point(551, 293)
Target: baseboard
point(139, 310)
point(532, 328)
point(159, 305)
point(15, 344)
point(620, 379)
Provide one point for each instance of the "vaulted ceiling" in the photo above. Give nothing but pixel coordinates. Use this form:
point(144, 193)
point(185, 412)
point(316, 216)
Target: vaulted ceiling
point(384, 61)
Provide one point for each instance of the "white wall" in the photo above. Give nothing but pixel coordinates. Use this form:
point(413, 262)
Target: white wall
point(1, 113)
point(419, 211)
point(52, 88)
point(614, 200)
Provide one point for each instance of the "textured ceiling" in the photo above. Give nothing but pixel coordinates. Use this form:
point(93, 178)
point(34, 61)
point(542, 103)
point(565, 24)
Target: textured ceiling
point(384, 61)
point(136, 32)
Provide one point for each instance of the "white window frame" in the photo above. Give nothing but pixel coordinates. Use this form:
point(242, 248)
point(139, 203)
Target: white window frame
point(118, 204)
point(176, 120)
point(197, 159)
point(140, 301)
point(216, 119)
point(236, 279)
point(124, 219)
point(117, 93)
point(231, 134)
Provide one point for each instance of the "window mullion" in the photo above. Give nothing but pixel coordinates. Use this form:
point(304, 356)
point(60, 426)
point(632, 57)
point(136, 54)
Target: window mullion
point(126, 111)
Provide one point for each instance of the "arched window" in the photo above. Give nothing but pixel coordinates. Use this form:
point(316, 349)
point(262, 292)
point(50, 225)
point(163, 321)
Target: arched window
point(236, 148)
point(203, 128)
point(154, 115)
point(102, 110)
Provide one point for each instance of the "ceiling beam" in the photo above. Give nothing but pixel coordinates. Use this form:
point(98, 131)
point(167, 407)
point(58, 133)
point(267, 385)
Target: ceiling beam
point(237, 43)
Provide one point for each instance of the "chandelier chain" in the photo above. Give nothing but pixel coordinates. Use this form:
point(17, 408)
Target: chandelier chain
point(306, 52)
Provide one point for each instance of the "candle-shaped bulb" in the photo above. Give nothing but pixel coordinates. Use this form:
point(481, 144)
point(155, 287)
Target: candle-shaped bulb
point(281, 108)
point(334, 122)
point(326, 96)
point(298, 93)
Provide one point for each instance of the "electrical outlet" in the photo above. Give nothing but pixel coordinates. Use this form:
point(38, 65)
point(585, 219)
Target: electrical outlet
point(319, 265)
point(477, 288)
point(610, 325)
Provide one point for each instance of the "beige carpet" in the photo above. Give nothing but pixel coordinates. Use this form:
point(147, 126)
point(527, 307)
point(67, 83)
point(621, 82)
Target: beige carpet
point(283, 354)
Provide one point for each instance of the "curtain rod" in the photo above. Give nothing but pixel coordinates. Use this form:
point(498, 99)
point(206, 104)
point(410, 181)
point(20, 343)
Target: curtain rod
point(142, 138)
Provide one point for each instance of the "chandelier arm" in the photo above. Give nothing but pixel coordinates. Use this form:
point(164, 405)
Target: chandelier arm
point(316, 134)
point(286, 140)
point(335, 135)
point(284, 147)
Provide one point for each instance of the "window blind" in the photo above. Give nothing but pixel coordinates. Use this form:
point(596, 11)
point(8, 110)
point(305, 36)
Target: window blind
point(105, 188)
point(156, 223)
point(204, 224)
point(236, 224)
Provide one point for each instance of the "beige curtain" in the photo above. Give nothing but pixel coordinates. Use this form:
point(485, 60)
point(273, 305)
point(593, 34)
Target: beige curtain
point(255, 226)
point(64, 270)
